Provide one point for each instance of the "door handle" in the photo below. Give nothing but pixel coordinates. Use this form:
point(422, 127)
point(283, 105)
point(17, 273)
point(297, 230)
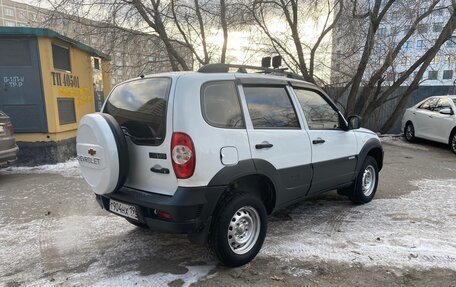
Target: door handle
point(159, 169)
point(318, 141)
point(263, 145)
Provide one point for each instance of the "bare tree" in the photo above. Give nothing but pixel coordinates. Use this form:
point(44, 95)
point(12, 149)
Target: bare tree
point(369, 40)
point(295, 13)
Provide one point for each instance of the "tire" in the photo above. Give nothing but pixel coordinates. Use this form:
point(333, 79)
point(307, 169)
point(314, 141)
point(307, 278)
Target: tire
point(453, 141)
point(138, 224)
point(366, 182)
point(409, 132)
point(249, 213)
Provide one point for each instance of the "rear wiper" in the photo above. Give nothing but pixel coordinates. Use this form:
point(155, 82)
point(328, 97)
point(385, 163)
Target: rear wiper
point(127, 134)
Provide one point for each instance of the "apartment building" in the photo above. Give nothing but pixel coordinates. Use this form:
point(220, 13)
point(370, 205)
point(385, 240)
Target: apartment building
point(350, 35)
point(132, 53)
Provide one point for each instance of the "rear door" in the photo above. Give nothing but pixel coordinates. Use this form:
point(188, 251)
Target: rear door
point(142, 108)
point(334, 149)
point(278, 143)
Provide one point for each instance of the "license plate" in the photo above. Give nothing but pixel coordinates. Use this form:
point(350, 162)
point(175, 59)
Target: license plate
point(123, 209)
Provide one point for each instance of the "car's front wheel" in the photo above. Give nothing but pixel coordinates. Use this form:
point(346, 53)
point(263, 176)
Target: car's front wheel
point(409, 132)
point(238, 229)
point(453, 141)
point(366, 183)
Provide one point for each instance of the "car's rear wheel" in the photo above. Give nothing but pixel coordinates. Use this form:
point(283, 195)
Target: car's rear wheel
point(363, 191)
point(238, 229)
point(409, 132)
point(453, 141)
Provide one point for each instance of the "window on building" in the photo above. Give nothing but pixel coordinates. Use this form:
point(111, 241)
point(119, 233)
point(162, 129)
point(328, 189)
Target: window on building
point(451, 43)
point(270, 107)
point(22, 15)
point(419, 44)
point(448, 59)
point(10, 23)
point(423, 10)
point(61, 57)
point(96, 63)
point(437, 27)
point(405, 61)
point(221, 106)
point(438, 11)
point(382, 31)
point(390, 77)
point(435, 60)
point(432, 75)
point(448, 74)
point(338, 54)
point(394, 16)
point(407, 45)
point(8, 11)
point(67, 113)
point(422, 28)
point(338, 67)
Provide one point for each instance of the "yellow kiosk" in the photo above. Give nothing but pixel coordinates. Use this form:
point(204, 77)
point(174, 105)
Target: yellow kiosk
point(47, 83)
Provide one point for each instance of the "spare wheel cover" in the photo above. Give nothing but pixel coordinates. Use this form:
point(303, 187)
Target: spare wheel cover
point(102, 152)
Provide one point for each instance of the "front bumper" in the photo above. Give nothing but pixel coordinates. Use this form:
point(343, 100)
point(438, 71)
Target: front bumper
point(191, 207)
point(8, 156)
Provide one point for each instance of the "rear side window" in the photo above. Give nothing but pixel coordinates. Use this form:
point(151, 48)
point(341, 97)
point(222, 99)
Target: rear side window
point(220, 105)
point(140, 108)
point(429, 104)
point(270, 107)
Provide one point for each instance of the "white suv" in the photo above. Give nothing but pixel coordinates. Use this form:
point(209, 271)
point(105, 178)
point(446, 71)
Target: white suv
point(212, 153)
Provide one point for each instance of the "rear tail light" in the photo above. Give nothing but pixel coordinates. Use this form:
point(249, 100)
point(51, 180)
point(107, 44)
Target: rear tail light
point(183, 155)
point(9, 126)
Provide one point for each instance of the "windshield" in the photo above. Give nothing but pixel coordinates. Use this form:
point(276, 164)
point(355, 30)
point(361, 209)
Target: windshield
point(140, 108)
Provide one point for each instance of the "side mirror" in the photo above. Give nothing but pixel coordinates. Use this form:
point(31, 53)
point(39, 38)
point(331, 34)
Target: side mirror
point(446, 111)
point(354, 122)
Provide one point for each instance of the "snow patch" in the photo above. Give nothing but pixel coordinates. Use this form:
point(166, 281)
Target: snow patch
point(193, 275)
point(67, 169)
point(415, 231)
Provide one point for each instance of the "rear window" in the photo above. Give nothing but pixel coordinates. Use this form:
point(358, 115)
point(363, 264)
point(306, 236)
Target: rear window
point(140, 108)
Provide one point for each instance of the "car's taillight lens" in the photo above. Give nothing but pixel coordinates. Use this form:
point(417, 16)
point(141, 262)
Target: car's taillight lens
point(183, 155)
point(9, 126)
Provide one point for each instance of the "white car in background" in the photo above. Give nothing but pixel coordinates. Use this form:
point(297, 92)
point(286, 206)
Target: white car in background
point(432, 119)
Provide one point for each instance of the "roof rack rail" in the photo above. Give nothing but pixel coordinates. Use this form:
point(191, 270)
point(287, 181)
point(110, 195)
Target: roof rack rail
point(224, 68)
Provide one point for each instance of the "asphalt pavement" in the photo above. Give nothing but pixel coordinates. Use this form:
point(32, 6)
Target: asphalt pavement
point(53, 233)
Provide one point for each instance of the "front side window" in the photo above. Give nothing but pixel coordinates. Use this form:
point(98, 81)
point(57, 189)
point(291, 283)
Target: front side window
point(220, 105)
point(320, 115)
point(443, 103)
point(140, 108)
point(270, 107)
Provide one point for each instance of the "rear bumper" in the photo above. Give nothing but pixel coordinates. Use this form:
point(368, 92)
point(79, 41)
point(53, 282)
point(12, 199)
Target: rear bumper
point(191, 208)
point(8, 156)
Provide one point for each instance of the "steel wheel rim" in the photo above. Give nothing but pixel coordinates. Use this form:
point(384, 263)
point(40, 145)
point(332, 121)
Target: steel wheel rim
point(368, 180)
point(409, 132)
point(244, 230)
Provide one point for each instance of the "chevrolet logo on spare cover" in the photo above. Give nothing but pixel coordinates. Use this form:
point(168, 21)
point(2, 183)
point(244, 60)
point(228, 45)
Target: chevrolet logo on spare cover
point(92, 152)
